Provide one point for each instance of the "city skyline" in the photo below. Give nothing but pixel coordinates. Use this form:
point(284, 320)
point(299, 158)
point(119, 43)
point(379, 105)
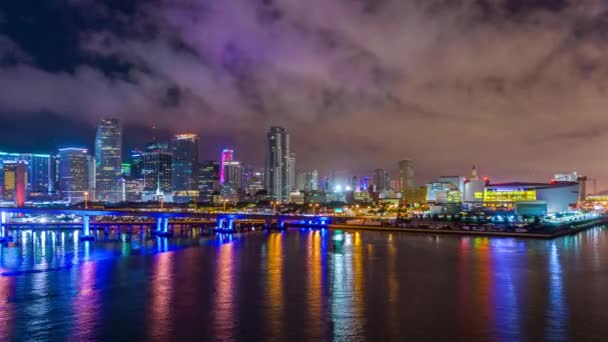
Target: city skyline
point(351, 100)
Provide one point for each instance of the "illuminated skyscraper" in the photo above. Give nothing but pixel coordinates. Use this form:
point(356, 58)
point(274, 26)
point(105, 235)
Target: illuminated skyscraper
point(208, 179)
point(108, 159)
point(73, 174)
point(156, 172)
point(227, 156)
point(278, 164)
point(185, 162)
point(233, 174)
point(15, 181)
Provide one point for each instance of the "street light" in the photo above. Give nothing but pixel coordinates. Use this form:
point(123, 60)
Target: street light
point(86, 200)
point(225, 202)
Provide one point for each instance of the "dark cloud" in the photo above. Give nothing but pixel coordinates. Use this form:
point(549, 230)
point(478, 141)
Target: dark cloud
point(360, 84)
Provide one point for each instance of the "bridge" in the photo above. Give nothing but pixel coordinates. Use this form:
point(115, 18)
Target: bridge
point(224, 221)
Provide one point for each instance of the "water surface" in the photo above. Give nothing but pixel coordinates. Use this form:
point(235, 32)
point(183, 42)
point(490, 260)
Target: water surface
point(304, 285)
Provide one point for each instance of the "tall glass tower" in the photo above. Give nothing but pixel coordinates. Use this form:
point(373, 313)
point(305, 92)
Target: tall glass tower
point(108, 160)
point(185, 162)
point(278, 163)
point(73, 174)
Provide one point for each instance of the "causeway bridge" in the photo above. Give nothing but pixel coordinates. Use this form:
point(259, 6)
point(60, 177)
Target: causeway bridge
point(225, 222)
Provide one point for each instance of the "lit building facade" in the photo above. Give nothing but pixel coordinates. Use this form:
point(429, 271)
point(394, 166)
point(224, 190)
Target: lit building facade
point(15, 181)
point(226, 157)
point(278, 164)
point(555, 196)
point(39, 171)
point(156, 173)
point(208, 180)
point(73, 174)
point(184, 148)
point(108, 160)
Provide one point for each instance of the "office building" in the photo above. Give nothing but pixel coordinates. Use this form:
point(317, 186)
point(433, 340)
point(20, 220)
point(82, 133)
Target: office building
point(39, 171)
point(255, 183)
point(156, 173)
point(381, 180)
point(291, 172)
point(108, 160)
point(208, 179)
point(73, 174)
point(184, 148)
point(406, 175)
point(278, 164)
point(233, 174)
point(15, 181)
point(226, 157)
point(308, 181)
point(566, 177)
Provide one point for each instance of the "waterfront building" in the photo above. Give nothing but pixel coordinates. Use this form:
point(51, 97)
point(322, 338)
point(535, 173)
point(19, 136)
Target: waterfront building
point(381, 180)
point(474, 187)
point(73, 174)
point(308, 181)
point(543, 198)
point(15, 181)
point(184, 148)
point(278, 174)
point(208, 180)
point(406, 175)
point(137, 160)
point(442, 192)
point(39, 171)
point(134, 189)
point(226, 157)
point(233, 174)
point(108, 160)
point(255, 183)
point(156, 172)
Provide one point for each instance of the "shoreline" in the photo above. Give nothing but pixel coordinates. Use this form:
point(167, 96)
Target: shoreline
point(560, 232)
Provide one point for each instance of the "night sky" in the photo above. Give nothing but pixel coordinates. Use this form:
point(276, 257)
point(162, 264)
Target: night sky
point(517, 87)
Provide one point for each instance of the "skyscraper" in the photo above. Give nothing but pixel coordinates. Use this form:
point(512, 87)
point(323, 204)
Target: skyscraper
point(277, 164)
point(227, 156)
point(406, 175)
point(108, 159)
point(156, 172)
point(291, 172)
point(39, 171)
point(185, 162)
point(73, 174)
point(208, 179)
point(233, 174)
point(381, 180)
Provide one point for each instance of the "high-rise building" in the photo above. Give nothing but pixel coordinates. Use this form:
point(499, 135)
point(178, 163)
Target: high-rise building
point(255, 182)
point(73, 174)
point(227, 156)
point(208, 179)
point(15, 181)
point(39, 171)
point(156, 172)
point(566, 177)
point(108, 160)
point(406, 175)
point(277, 164)
point(291, 172)
point(307, 181)
point(233, 174)
point(185, 162)
point(381, 180)
point(137, 161)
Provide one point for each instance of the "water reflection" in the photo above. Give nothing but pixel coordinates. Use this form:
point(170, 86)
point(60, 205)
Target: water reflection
point(274, 285)
point(159, 327)
point(7, 306)
point(315, 286)
point(557, 314)
point(87, 302)
point(224, 307)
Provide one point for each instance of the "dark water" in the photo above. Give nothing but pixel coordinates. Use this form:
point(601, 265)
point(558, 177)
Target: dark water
point(304, 285)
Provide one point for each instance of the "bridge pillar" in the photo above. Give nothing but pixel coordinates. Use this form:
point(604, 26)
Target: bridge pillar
point(86, 229)
point(162, 227)
point(3, 231)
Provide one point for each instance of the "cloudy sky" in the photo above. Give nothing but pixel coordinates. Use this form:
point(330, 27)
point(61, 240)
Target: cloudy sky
point(517, 87)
